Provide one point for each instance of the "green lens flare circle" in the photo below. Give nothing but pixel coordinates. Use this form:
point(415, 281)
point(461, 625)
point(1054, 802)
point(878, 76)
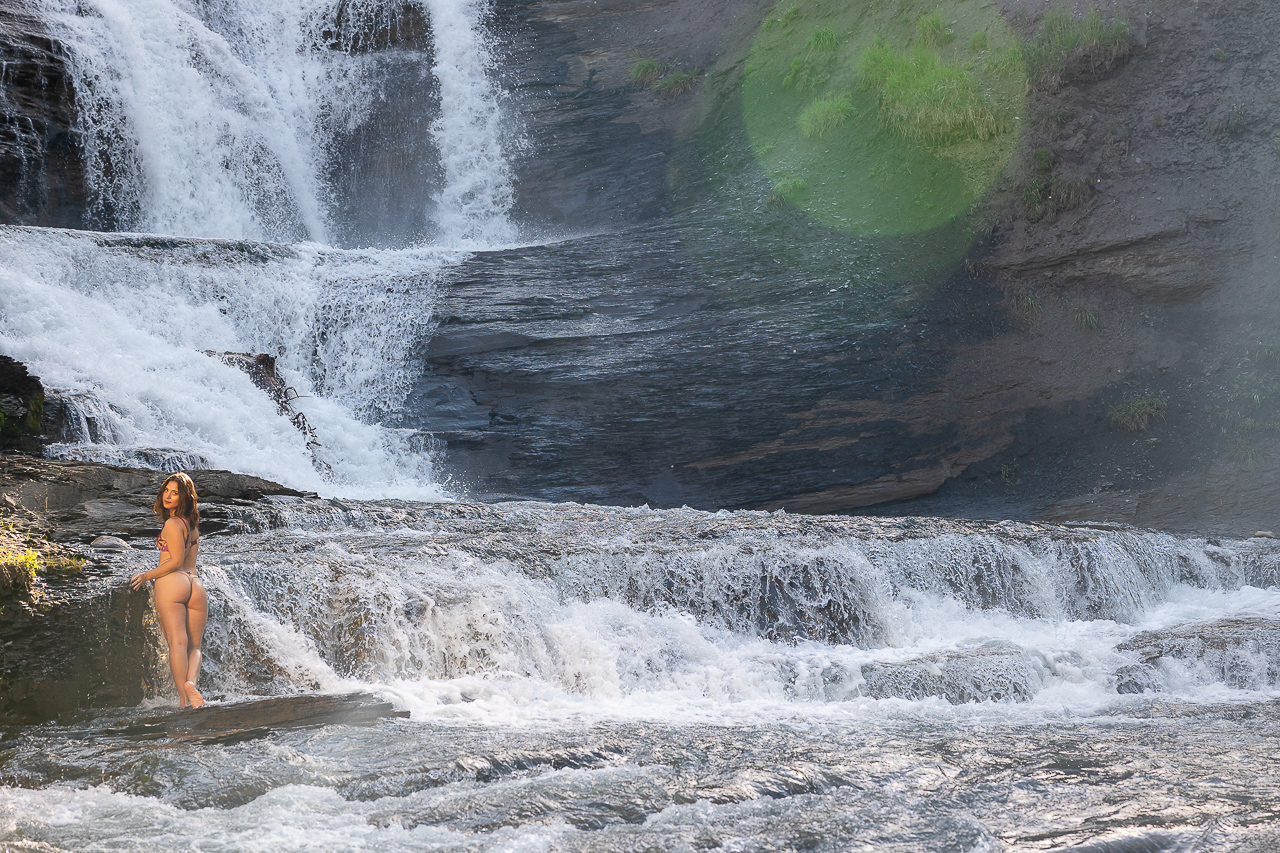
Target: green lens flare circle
point(879, 117)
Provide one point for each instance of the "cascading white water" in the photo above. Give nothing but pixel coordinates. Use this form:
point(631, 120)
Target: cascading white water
point(216, 120)
point(473, 205)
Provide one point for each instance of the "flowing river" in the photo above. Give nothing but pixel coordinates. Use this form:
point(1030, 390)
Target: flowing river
point(563, 676)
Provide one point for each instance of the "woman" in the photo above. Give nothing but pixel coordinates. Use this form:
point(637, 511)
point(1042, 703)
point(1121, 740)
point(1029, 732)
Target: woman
point(181, 603)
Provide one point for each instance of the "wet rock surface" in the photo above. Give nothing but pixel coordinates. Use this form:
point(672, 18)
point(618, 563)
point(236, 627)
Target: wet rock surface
point(1243, 654)
point(970, 675)
point(42, 171)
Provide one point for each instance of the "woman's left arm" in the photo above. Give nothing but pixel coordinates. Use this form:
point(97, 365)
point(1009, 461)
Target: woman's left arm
point(170, 560)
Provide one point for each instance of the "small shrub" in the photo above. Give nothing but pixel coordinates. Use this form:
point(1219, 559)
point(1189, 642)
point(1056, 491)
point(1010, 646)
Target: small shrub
point(824, 115)
point(18, 569)
point(789, 17)
point(932, 32)
point(646, 72)
point(1085, 319)
point(1068, 47)
point(1137, 412)
point(1218, 55)
point(676, 84)
point(823, 39)
point(924, 100)
point(1158, 121)
point(1009, 473)
point(978, 42)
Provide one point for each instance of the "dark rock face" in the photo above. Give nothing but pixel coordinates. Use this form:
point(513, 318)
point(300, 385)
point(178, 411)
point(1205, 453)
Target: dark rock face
point(42, 175)
point(21, 407)
point(83, 641)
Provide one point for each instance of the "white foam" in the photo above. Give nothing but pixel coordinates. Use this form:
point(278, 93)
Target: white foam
point(126, 325)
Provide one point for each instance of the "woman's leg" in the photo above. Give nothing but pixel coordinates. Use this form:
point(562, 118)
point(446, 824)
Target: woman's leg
point(197, 615)
point(171, 594)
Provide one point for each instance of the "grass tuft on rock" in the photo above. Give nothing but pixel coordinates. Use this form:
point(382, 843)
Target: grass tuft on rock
point(823, 39)
point(925, 100)
point(932, 32)
point(646, 72)
point(1137, 411)
point(676, 84)
point(825, 114)
point(1069, 47)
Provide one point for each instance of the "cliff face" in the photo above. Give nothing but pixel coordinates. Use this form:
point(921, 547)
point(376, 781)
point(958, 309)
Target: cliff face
point(42, 175)
point(675, 355)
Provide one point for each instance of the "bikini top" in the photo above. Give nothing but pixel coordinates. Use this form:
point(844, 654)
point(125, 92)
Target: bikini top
point(187, 540)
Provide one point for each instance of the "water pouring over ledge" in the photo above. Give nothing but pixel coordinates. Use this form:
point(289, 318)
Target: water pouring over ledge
point(603, 679)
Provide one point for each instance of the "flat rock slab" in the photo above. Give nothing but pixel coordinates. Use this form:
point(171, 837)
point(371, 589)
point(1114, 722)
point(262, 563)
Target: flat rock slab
point(241, 721)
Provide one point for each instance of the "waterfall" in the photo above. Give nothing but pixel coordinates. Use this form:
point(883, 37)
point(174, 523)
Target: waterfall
point(217, 120)
point(473, 205)
point(566, 602)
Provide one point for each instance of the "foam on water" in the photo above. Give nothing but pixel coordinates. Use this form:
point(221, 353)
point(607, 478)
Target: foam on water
point(459, 632)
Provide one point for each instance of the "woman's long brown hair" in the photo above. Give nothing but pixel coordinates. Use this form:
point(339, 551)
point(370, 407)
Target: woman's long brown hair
point(187, 509)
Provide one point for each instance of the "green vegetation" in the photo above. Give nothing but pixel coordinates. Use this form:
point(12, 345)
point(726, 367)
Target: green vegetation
point(789, 16)
point(1025, 304)
point(646, 72)
point(932, 32)
point(1236, 121)
point(883, 110)
point(1009, 473)
point(823, 39)
point(1044, 160)
point(926, 101)
point(676, 83)
point(1218, 55)
point(978, 42)
point(1137, 411)
point(825, 114)
point(1158, 121)
point(1085, 319)
point(785, 193)
point(1067, 46)
point(1011, 62)
point(1047, 195)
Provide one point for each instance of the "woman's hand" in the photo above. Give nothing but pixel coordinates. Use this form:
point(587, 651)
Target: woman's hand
point(138, 581)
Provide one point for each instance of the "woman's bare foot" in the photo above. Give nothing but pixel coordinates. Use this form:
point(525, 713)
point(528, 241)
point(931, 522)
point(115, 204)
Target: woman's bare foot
point(193, 695)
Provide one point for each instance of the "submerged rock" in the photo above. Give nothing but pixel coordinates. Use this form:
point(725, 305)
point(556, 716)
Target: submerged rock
point(1241, 653)
point(989, 673)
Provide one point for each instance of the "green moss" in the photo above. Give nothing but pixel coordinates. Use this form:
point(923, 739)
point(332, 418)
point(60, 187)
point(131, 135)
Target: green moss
point(824, 115)
point(978, 42)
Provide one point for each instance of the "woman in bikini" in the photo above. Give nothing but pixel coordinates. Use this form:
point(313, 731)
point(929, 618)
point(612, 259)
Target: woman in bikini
point(181, 603)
